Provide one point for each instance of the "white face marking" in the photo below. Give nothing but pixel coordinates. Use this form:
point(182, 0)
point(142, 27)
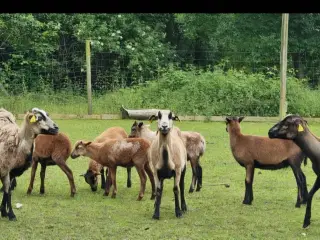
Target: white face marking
point(164, 121)
point(44, 122)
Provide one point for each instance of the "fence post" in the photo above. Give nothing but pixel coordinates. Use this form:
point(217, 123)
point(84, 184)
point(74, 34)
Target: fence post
point(88, 64)
point(283, 64)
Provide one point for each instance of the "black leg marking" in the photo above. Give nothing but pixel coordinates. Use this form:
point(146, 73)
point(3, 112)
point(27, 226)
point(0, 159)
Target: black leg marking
point(129, 177)
point(199, 178)
point(156, 214)
point(103, 180)
point(42, 176)
point(4, 205)
point(11, 215)
point(183, 201)
point(313, 190)
point(176, 202)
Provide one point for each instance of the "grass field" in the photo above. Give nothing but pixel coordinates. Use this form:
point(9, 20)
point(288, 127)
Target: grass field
point(214, 213)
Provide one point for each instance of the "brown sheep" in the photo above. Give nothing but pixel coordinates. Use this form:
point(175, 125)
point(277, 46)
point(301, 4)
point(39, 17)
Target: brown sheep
point(95, 169)
point(195, 146)
point(127, 152)
point(262, 152)
point(51, 150)
point(15, 148)
point(168, 157)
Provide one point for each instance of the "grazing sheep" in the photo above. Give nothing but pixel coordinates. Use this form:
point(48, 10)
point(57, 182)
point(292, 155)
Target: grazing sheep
point(15, 145)
point(95, 169)
point(262, 152)
point(295, 128)
point(195, 146)
point(168, 157)
point(51, 150)
point(126, 152)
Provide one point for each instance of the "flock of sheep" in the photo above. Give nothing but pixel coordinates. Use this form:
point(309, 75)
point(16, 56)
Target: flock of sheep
point(160, 155)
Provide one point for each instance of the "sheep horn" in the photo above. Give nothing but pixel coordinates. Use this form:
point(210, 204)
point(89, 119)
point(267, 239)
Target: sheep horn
point(82, 175)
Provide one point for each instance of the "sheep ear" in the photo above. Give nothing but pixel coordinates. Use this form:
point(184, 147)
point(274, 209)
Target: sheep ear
point(87, 143)
point(32, 118)
point(135, 123)
point(240, 119)
point(228, 119)
point(151, 118)
point(140, 124)
point(176, 118)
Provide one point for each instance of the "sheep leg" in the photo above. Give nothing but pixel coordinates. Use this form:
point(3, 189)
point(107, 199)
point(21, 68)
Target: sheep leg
point(199, 177)
point(194, 175)
point(304, 187)
point(103, 179)
point(313, 190)
point(248, 198)
point(159, 186)
point(143, 180)
point(6, 185)
point(33, 174)
point(300, 187)
point(13, 183)
point(42, 176)
point(113, 172)
point(176, 191)
point(108, 182)
point(181, 183)
point(129, 177)
point(150, 175)
point(11, 214)
point(64, 167)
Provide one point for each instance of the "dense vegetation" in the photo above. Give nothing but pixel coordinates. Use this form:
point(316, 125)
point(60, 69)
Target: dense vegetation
point(206, 64)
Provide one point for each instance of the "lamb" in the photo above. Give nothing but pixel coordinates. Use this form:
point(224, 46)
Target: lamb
point(15, 146)
point(262, 152)
point(295, 128)
point(126, 152)
point(195, 146)
point(51, 150)
point(168, 157)
point(96, 169)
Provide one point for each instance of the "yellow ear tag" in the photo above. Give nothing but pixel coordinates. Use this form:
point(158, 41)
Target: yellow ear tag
point(33, 119)
point(300, 128)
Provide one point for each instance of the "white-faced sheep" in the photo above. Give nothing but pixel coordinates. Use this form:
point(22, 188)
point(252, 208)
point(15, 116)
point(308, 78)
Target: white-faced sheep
point(15, 146)
point(127, 152)
point(95, 169)
point(195, 146)
point(262, 152)
point(51, 150)
point(168, 157)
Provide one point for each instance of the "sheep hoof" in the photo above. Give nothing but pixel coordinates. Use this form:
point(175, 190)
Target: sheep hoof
point(178, 213)
point(113, 195)
point(184, 208)
point(12, 218)
point(297, 205)
point(157, 217)
point(41, 191)
point(191, 190)
point(29, 191)
point(106, 194)
point(4, 213)
point(129, 184)
point(72, 194)
point(246, 202)
point(198, 189)
point(139, 198)
point(153, 196)
point(306, 224)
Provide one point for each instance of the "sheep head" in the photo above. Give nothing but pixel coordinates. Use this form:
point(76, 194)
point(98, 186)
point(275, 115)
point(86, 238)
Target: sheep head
point(80, 149)
point(165, 121)
point(289, 128)
point(40, 122)
point(232, 122)
point(91, 178)
point(135, 129)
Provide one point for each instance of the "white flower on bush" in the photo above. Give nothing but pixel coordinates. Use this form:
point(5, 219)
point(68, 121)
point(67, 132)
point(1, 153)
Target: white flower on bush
point(128, 46)
point(99, 38)
point(140, 68)
point(113, 34)
point(132, 48)
point(143, 33)
point(119, 16)
point(120, 37)
point(101, 44)
point(118, 31)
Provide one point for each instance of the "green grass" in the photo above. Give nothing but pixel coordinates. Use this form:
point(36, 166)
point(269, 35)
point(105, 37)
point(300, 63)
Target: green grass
point(214, 213)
